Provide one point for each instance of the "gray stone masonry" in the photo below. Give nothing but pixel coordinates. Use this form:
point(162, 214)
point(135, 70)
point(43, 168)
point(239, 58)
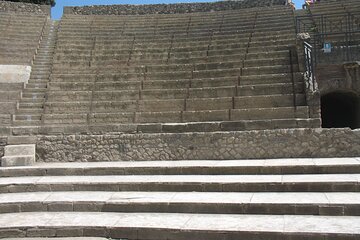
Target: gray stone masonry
point(169, 8)
point(280, 143)
point(17, 7)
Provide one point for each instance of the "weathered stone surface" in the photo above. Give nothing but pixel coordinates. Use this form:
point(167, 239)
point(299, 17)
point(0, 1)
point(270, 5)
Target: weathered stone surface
point(170, 8)
point(7, 6)
point(212, 145)
point(14, 73)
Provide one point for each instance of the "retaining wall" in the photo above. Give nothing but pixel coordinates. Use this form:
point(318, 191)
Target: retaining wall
point(283, 143)
point(169, 8)
point(20, 7)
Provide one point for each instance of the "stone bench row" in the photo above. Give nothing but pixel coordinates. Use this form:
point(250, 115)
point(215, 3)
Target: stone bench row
point(182, 33)
point(193, 69)
point(190, 104)
point(281, 69)
point(122, 52)
point(140, 56)
point(177, 116)
point(138, 20)
point(88, 82)
point(80, 42)
point(76, 40)
point(210, 24)
point(179, 93)
point(245, 125)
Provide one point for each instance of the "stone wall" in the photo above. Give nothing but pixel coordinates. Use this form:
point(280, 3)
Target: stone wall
point(282, 143)
point(20, 7)
point(338, 77)
point(169, 8)
point(3, 142)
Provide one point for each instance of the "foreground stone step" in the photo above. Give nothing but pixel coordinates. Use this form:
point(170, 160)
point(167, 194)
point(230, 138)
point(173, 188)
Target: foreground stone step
point(303, 203)
point(213, 167)
point(173, 226)
point(58, 238)
point(179, 183)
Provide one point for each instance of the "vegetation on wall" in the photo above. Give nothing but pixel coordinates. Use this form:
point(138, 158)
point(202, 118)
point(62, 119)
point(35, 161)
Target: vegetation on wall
point(44, 2)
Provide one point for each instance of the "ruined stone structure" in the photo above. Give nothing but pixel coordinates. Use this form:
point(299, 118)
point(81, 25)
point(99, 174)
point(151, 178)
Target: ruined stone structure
point(182, 121)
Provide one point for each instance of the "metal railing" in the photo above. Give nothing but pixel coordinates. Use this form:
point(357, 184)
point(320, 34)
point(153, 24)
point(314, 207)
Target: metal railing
point(309, 65)
point(329, 23)
point(339, 31)
point(344, 47)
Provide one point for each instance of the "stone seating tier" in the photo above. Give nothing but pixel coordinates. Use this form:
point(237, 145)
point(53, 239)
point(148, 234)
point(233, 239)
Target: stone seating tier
point(19, 36)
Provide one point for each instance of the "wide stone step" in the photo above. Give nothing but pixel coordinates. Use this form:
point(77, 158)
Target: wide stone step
point(300, 203)
point(27, 117)
point(187, 183)
point(26, 123)
point(181, 225)
point(189, 167)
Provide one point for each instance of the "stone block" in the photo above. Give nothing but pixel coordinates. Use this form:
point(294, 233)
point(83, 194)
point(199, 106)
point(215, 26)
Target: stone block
point(202, 116)
point(209, 104)
point(20, 150)
point(10, 161)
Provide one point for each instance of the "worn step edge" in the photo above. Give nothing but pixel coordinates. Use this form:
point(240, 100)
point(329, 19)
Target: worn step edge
point(186, 183)
point(172, 226)
point(212, 167)
point(303, 203)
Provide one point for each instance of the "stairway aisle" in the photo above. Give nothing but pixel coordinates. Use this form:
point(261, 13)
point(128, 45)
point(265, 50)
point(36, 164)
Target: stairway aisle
point(236, 199)
point(31, 104)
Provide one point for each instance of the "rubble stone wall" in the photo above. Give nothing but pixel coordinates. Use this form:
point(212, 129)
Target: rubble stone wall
point(20, 7)
point(3, 142)
point(283, 143)
point(126, 9)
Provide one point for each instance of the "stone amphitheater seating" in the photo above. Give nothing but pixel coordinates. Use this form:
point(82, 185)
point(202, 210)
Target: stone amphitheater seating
point(123, 76)
point(20, 34)
point(220, 66)
point(19, 37)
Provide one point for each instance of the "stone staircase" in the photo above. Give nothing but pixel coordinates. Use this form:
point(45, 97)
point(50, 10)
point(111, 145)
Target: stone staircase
point(31, 105)
point(238, 199)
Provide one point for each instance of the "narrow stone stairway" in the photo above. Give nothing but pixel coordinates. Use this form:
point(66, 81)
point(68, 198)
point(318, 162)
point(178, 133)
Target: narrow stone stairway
point(32, 102)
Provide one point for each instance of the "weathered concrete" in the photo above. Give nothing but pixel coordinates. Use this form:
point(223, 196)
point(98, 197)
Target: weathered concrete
point(14, 73)
point(212, 145)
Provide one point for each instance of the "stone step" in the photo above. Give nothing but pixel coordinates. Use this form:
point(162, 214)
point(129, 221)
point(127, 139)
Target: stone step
point(179, 93)
point(30, 105)
point(299, 203)
point(187, 183)
point(178, 226)
point(57, 238)
point(26, 122)
point(190, 167)
point(32, 100)
point(27, 117)
point(31, 111)
point(191, 104)
point(192, 127)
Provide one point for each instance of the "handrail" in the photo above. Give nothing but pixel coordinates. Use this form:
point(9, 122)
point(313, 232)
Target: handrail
point(309, 66)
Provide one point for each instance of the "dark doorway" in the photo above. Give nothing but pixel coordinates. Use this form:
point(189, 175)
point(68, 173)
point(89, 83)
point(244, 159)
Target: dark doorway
point(340, 109)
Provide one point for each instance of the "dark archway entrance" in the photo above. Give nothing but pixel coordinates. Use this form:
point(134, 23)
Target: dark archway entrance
point(340, 109)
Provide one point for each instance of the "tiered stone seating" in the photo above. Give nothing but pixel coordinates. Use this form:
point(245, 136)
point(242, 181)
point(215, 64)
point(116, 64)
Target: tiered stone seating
point(199, 67)
point(19, 37)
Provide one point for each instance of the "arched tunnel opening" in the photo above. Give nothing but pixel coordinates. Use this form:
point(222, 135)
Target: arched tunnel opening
point(340, 109)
